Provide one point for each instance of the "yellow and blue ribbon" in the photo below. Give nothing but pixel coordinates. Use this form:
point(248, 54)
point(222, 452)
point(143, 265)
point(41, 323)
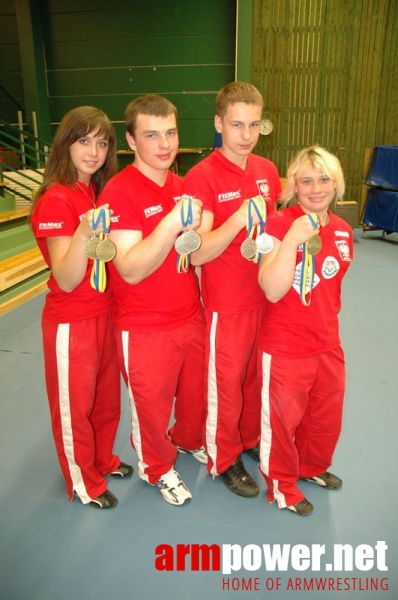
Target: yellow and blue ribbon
point(308, 266)
point(98, 271)
point(184, 260)
point(257, 229)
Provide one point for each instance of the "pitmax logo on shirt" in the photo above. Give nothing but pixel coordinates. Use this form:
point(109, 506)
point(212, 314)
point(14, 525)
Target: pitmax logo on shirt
point(51, 225)
point(153, 210)
point(229, 196)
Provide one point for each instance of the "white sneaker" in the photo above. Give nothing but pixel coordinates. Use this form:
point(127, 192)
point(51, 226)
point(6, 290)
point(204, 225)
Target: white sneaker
point(200, 453)
point(173, 489)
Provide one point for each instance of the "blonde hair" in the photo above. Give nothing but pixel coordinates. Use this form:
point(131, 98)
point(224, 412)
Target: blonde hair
point(318, 158)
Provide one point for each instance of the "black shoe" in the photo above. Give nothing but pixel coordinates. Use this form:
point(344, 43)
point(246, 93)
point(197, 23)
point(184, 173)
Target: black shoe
point(122, 471)
point(238, 480)
point(254, 453)
point(105, 500)
point(326, 480)
point(303, 508)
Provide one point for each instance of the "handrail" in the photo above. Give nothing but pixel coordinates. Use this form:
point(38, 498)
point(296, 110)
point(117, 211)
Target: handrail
point(26, 133)
point(23, 156)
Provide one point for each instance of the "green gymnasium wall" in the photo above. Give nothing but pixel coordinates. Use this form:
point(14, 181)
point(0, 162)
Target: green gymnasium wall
point(106, 53)
point(328, 69)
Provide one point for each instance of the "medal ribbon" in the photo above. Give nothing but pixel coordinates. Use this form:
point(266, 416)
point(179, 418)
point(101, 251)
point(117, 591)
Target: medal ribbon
point(257, 205)
point(260, 208)
point(98, 272)
point(307, 267)
point(184, 260)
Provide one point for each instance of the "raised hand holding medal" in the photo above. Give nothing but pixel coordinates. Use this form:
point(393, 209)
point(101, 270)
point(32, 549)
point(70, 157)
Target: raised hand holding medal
point(103, 248)
point(308, 265)
point(262, 243)
point(188, 241)
point(248, 247)
point(314, 244)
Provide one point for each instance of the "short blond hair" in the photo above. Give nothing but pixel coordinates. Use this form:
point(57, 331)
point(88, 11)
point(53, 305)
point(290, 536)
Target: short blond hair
point(318, 158)
point(237, 91)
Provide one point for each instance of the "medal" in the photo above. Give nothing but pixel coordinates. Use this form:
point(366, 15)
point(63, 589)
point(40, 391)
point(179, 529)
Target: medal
point(248, 249)
point(100, 249)
point(188, 241)
point(264, 243)
point(251, 249)
point(91, 247)
point(192, 241)
point(106, 250)
point(314, 245)
point(179, 245)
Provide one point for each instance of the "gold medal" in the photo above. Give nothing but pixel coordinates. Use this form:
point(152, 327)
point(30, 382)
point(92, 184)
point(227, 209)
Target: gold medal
point(314, 245)
point(248, 248)
point(264, 243)
point(91, 247)
point(106, 250)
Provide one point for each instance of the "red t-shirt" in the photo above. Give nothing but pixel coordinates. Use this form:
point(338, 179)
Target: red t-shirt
point(166, 299)
point(58, 213)
point(230, 282)
point(290, 328)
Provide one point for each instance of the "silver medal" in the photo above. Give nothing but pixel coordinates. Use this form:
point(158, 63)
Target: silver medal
point(264, 243)
point(179, 245)
point(187, 242)
point(192, 240)
point(248, 249)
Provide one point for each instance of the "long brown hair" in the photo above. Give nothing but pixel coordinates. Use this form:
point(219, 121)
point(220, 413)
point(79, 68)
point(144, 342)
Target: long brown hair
point(76, 124)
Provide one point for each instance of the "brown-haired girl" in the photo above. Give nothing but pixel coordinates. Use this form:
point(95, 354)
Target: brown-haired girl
point(81, 369)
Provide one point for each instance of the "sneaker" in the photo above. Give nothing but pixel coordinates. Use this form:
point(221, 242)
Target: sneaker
point(303, 508)
point(122, 471)
point(200, 453)
point(254, 453)
point(105, 500)
point(326, 480)
point(238, 480)
point(173, 489)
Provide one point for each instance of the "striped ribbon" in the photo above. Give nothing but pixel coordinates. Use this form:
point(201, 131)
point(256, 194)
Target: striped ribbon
point(184, 260)
point(308, 266)
point(98, 271)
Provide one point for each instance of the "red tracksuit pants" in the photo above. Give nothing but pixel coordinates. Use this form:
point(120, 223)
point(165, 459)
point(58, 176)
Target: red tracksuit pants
point(233, 389)
point(83, 388)
point(301, 417)
point(158, 367)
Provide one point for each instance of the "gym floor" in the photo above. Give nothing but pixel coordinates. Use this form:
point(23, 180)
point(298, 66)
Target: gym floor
point(51, 549)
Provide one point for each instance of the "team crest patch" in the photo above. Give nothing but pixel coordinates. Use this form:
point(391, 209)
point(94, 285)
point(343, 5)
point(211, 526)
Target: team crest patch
point(344, 249)
point(330, 267)
point(263, 188)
